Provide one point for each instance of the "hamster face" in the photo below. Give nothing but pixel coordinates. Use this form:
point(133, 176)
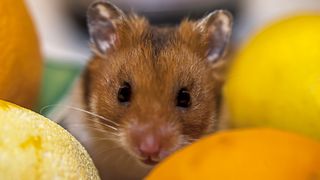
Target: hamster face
point(156, 85)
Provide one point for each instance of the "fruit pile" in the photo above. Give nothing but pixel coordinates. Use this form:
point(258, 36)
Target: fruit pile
point(272, 94)
point(273, 99)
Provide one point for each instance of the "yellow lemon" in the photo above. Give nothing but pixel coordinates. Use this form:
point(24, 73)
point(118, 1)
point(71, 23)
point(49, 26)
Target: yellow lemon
point(275, 80)
point(33, 147)
point(20, 60)
point(250, 154)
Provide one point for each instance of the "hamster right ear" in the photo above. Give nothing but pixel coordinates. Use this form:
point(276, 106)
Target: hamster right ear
point(217, 28)
point(102, 19)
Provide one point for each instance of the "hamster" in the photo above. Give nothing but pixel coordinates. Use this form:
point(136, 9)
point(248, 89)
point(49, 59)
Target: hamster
point(147, 91)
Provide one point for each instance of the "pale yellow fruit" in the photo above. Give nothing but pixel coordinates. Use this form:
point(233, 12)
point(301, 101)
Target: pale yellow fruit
point(33, 147)
point(275, 81)
point(252, 154)
point(20, 59)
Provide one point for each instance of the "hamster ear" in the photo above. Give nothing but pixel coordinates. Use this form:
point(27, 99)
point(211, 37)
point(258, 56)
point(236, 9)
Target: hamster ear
point(217, 27)
point(102, 19)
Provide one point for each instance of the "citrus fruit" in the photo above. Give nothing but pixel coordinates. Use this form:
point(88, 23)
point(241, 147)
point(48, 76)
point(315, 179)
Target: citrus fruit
point(275, 80)
point(20, 59)
point(34, 147)
point(248, 154)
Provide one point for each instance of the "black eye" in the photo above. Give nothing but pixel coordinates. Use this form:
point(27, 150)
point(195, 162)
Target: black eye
point(183, 98)
point(124, 93)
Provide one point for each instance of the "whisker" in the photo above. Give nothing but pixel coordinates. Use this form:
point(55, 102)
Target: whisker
point(101, 139)
point(186, 140)
point(81, 110)
point(93, 127)
point(192, 140)
point(103, 124)
point(189, 139)
point(46, 107)
point(95, 115)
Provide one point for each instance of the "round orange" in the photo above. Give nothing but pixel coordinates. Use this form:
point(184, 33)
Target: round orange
point(20, 59)
point(244, 154)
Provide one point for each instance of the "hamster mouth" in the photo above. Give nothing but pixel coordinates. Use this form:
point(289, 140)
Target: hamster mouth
point(149, 161)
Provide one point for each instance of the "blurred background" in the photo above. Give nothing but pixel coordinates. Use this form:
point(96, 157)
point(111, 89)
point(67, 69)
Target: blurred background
point(61, 26)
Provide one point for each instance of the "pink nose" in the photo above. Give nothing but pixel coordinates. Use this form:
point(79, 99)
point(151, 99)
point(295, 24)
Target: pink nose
point(149, 146)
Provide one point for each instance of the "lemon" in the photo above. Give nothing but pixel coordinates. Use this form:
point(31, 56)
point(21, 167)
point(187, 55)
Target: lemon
point(275, 80)
point(20, 59)
point(249, 154)
point(33, 147)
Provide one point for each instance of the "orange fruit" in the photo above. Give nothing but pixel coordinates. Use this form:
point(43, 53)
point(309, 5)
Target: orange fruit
point(20, 59)
point(244, 154)
point(33, 147)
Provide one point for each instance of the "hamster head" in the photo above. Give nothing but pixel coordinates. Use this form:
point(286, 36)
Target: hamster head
point(159, 86)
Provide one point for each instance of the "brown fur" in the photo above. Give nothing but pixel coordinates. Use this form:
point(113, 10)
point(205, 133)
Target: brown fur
point(157, 62)
point(179, 62)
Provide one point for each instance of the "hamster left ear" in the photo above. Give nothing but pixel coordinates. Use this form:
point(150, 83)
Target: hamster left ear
point(217, 27)
point(102, 19)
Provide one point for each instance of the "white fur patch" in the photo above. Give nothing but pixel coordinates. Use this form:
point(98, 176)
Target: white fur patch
point(103, 11)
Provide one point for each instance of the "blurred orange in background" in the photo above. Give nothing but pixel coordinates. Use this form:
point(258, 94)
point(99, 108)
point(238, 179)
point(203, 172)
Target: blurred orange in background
point(20, 59)
point(275, 78)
